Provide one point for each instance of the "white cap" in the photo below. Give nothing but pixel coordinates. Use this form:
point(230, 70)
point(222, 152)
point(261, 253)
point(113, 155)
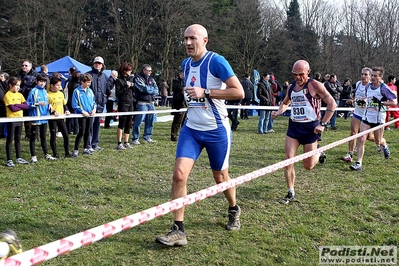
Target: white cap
point(98, 59)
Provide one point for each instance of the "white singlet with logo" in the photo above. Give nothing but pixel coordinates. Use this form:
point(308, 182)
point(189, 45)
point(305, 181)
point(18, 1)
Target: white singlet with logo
point(204, 114)
point(302, 110)
point(360, 95)
point(374, 113)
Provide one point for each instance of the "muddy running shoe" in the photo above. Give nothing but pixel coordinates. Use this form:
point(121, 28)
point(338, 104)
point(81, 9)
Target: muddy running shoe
point(175, 237)
point(289, 198)
point(387, 152)
point(322, 158)
point(347, 158)
point(234, 220)
point(356, 167)
point(9, 237)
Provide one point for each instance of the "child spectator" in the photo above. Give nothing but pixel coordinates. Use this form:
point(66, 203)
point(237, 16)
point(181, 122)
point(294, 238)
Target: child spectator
point(83, 102)
point(15, 103)
point(57, 103)
point(39, 106)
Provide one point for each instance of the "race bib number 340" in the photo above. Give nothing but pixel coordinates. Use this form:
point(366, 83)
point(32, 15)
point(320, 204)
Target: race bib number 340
point(194, 102)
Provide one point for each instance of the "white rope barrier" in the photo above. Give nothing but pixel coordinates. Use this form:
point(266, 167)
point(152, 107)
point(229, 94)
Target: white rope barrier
point(87, 237)
point(249, 107)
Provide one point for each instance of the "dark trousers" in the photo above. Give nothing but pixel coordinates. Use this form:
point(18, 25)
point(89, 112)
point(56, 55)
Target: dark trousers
point(125, 121)
point(72, 124)
point(233, 115)
point(178, 119)
point(43, 131)
point(244, 112)
point(85, 124)
point(14, 130)
point(60, 124)
point(110, 109)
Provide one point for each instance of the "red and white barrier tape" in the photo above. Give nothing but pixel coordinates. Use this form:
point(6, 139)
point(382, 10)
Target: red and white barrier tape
point(87, 237)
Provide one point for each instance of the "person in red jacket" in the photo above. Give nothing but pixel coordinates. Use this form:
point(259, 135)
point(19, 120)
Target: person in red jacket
point(394, 114)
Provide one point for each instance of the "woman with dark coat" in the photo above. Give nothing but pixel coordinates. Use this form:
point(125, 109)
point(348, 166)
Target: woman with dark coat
point(124, 87)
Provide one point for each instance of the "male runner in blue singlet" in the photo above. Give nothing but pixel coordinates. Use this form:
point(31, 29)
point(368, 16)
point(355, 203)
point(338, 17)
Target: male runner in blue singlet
point(209, 81)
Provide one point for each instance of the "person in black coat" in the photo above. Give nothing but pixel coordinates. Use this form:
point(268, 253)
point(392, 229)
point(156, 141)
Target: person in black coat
point(249, 95)
point(99, 87)
point(3, 90)
point(265, 96)
point(178, 102)
point(124, 90)
point(73, 83)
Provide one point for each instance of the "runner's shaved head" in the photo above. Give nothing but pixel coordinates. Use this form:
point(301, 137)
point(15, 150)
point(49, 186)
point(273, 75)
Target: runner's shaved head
point(198, 29)
point(301, 66)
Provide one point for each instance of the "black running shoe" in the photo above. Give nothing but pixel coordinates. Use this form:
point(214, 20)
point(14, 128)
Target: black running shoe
point(289, 198)
point(322, 158)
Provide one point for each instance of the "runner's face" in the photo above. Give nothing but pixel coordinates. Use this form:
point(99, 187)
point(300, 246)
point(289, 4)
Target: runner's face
point(300, 77)
point(376, 78)
point(195, 43)
point(365, 77)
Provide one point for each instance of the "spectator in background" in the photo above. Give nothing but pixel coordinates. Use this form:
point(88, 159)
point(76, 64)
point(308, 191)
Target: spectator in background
point(124, 90)
point(346, 95)
point(27, 75)
point(286, 84)
point(73, 83)
point(335, 89)
point(249, 95)
point(15, 103)
point(145, 89)
point(178, 102)
point(3, 90)
point(163, 91)
point(99, 88)
point(265, 99)
point(39, 106)
point(26, 70)
point(58, 107)
point(111, 97)
point(83, 102)
point(317, 76)
point(276, 88)
point(233, 114)
point(394, 114)
point(44, 70)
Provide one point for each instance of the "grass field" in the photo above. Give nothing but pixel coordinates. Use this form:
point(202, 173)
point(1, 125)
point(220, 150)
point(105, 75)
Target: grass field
point(336, 206)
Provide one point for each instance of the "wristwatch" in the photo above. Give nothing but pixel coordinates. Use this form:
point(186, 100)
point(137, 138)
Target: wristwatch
point(207, 93)
point(323, 124)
